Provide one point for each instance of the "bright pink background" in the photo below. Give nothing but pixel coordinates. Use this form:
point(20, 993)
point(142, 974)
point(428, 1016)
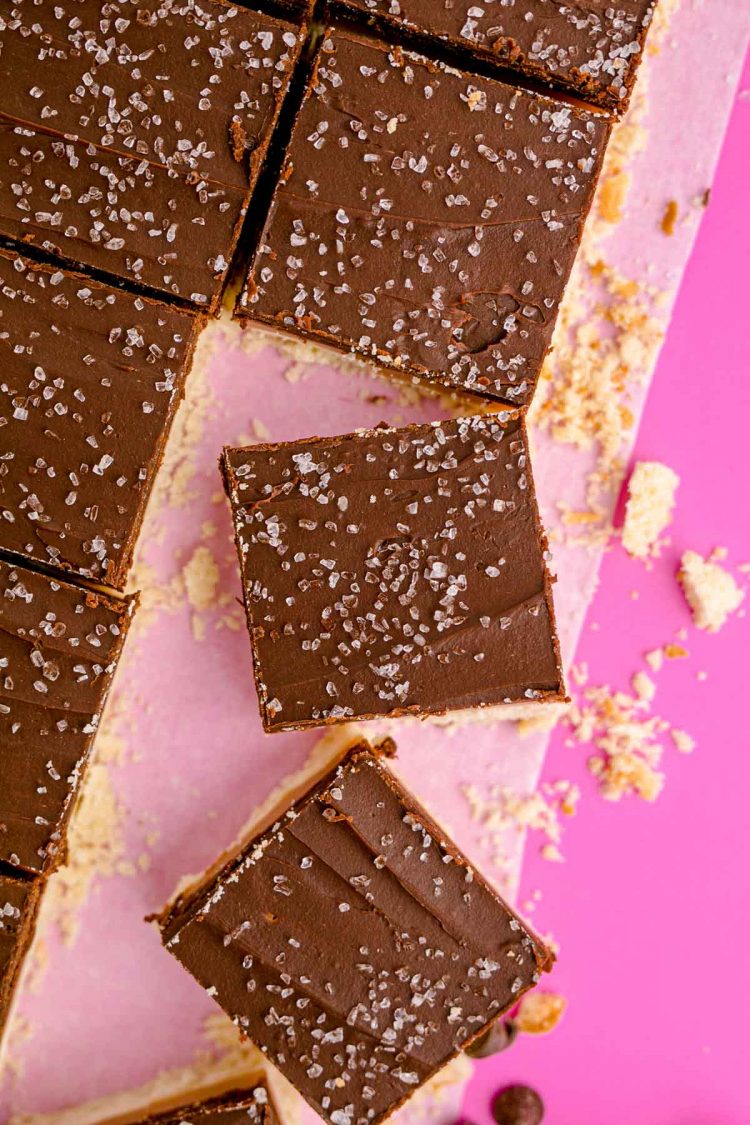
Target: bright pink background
point(112, 1008)
point(652, 907)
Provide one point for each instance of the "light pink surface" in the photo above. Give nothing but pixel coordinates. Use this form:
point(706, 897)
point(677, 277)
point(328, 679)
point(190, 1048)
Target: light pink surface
point(652, 907)
point(114, 1008)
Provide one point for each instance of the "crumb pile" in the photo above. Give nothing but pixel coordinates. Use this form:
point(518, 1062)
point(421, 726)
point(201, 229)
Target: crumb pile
point(504, 814)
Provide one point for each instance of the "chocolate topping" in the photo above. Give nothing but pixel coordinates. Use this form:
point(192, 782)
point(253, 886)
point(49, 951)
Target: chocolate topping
point(237, 1107)
point(426, 218)
point(591, 48)
point(394, 571)
point(59, 646)
point(132, 134)
point(91, 378)
point(19, 902)
point(355, 945)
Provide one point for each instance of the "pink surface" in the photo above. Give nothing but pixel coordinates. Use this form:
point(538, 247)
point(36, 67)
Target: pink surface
point(652, 906)
point(113, 1008)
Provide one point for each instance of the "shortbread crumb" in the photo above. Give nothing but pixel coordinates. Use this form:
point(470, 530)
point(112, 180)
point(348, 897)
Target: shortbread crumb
point(669, 218)
point(650, 503)
point(539, 1012)
point(644, 687)
point(710, 590)
point(201, 575)
point(684, 742)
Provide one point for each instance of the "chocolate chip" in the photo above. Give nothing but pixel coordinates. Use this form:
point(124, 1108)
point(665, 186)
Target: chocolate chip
point(497, 1038)
point(518, 1105)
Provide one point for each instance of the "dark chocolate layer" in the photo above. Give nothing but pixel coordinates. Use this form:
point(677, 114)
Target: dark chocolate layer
point(237, 1107)
point(59, 646)
point(90, 381)
point(19, 904)
point(426, 219)
point(132, 134)
point(591, 48)
point(291, 9)
point(354, 944)
point(394, 571)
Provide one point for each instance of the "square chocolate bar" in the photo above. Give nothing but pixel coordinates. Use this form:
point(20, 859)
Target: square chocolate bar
point(19, 905)
point(132, 133)
point(91, 379)
point(592, 50)
point(236, 1107)
point(394, 572)
point(59, 647)
point(354, 944)
point(426, 219)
